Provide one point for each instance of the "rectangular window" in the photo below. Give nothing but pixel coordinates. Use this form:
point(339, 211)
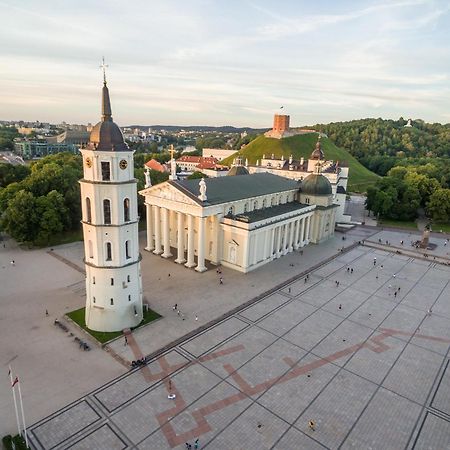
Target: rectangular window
point(107, 211)
point(128, 278)
point(106, 171)
point(112, 302)
point(112, 281)
point(108, 251)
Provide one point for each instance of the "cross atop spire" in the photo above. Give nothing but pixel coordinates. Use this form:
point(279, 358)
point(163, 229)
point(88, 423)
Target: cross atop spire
point(104, 66)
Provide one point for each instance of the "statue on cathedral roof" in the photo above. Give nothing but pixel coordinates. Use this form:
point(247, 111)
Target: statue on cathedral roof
point(202, 186)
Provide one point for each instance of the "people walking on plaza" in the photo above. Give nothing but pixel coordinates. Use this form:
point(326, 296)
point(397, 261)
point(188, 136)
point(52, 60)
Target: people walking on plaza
point(196, 444)
point(375, 261)
point(220, 280)
point(175, 307)
point(188, 445)
point(340, 306)
point(289, 290)
point(126, 341)
point(348, 269)
point(351, 270)
point(312, 425)
point(46, 312)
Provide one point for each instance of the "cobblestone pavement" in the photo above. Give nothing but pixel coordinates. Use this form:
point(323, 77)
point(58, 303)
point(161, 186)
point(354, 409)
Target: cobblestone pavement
point(363, 363)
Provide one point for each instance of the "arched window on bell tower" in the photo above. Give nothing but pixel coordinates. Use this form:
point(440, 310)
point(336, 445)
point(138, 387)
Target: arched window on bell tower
point(88, 210)
point(126, 210)
point(107, 211)
point(127, 249)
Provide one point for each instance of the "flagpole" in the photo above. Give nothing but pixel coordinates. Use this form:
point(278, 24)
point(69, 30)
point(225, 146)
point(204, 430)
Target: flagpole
point(14, 397)
point(23, 415)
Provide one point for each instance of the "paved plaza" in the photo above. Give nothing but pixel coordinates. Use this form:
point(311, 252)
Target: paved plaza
point(365, 359)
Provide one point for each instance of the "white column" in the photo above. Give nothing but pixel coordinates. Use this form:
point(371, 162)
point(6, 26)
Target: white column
point(166, 233)
point(297, 234)
point(291, 237)
point(150, 245)
point(278, 252)
point(254, 248)
point(180, 239)
point(156, 215)
point(190, 250)
point(286, 239)
point(271, 239)
point(302, 232)
point(266, 237)
point(216, 256)
point(308, 226)
point(201, 245)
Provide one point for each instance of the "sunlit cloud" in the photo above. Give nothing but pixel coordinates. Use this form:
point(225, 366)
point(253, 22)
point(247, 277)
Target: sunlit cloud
point(207, 62)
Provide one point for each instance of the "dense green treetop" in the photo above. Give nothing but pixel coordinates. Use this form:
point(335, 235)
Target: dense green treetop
point(7, 135)
point(389, 137)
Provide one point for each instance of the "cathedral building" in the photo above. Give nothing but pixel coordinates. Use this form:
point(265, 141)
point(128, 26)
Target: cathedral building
point(241, 221)
point(110, 228)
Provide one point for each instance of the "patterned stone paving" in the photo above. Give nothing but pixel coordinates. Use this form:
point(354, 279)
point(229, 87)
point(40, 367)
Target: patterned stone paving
point(365, 360)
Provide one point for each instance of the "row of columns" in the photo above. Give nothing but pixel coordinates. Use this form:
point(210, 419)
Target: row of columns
point(158, 237)
point(280, 240)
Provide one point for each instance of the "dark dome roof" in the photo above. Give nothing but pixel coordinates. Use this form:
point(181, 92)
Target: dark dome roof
point(317, 153)
point(237, 170)
point(106, 135)
point(316, 184)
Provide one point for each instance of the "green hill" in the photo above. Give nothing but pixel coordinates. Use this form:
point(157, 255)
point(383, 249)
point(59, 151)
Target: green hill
point(301, 146)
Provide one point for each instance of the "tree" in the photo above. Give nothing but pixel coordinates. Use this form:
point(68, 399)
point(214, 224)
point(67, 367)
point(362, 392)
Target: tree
point(438, 206)
point(21, 218)
point(196, 176)
point(11, 174)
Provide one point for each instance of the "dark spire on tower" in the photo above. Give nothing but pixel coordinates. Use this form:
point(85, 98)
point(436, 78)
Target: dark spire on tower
point(106, 135)
point(106, 103)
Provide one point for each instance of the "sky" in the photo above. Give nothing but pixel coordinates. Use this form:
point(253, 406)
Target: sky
point(229, 62)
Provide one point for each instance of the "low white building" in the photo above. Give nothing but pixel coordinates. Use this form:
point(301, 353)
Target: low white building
point(218, 153)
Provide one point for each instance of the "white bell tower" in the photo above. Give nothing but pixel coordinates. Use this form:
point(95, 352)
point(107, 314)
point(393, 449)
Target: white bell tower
point(110, 228)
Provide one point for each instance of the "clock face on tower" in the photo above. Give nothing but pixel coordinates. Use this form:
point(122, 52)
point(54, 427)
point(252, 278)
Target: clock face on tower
point(88, 162)
point(123, 164)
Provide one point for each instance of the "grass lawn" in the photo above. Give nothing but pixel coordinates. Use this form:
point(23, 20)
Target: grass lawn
point(301, 146)
point(397, 223)
point(436, 227)
point(103, 337)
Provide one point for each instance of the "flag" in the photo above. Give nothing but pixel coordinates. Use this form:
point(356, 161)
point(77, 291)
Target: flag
point(15, 381)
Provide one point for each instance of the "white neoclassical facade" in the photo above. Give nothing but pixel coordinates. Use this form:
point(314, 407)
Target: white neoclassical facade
point(110, 228)
point(241, 222)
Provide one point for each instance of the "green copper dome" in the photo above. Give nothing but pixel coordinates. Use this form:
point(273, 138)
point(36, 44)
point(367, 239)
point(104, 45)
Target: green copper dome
point(316, 184)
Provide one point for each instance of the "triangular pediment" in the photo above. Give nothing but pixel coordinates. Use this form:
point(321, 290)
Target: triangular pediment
point(167, 191)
